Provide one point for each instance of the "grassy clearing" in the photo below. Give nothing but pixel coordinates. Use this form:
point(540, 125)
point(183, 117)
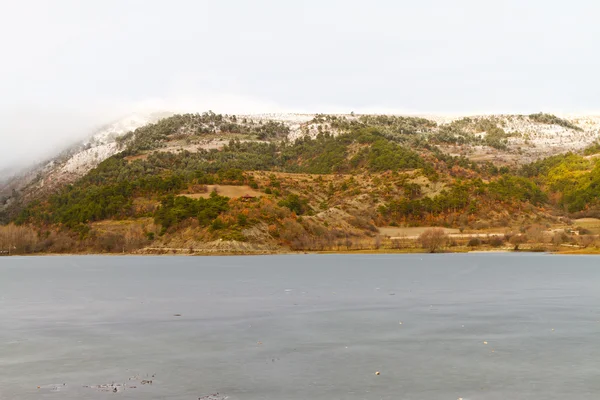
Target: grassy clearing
point(393, 231)
point(231, 191)
point(592, 224)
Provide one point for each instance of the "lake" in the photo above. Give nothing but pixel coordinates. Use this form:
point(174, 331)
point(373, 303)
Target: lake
point(470, 326)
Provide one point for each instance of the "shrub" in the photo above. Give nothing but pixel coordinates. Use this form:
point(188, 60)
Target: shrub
point(496, 241)
point(586, 240)
point(518, 240)
point(242, 219)
point(474, 242)
point(295, 203)
point(559, 238)
point(583, 231)
point(479, 225)
point(217, 224)
point(111, 242)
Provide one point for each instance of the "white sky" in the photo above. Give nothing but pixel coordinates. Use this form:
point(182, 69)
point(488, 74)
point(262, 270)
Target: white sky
point(70, 65)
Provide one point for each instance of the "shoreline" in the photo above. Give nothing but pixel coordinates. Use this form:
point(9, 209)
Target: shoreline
point(593, 251)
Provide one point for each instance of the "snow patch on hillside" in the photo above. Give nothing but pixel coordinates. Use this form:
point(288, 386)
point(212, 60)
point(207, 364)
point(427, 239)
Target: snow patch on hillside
point(87, 159)
point(109, 133)
point(102, 144)
point(79, 159)
point(531, 140)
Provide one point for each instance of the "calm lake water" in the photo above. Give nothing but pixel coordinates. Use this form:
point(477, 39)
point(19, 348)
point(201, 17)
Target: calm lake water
point(471, 326)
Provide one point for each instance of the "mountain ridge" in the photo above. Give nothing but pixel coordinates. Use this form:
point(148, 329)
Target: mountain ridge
point(467, 172)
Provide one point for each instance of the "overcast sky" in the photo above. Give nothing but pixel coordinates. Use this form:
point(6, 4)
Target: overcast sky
point(68, 66)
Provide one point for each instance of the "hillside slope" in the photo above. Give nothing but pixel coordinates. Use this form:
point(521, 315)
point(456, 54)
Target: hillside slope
point(262, 183)
point(69, 164)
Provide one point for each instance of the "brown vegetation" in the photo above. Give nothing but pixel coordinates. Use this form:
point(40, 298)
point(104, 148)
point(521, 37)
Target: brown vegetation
point(232, 191)
point(518, 240)
point(105, 237)
point(433, 240)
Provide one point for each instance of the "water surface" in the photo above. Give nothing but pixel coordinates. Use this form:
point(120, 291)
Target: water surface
point(301, 327)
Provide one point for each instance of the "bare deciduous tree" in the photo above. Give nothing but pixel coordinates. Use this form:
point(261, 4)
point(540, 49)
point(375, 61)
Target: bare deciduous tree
point(586, 240)
point(377, 242)
point(536, 234)
point(433, 239)
point(518, 240)
point(559, 238)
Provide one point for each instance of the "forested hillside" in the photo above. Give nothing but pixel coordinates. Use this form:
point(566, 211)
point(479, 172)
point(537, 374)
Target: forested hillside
point(210, 182)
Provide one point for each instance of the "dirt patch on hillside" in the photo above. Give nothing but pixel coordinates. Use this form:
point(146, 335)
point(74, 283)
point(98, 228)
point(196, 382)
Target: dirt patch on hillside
point(136, 157)
point(180, 145)
point(591, 224)
point(122, 226)
point(588, 221)
point(393, 231)
point(428, 188)
point(232, 191)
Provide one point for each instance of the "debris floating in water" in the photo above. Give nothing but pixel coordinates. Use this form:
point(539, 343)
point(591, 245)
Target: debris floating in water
point(214, 396)
point(400, 323)
point(484, 342)
point(119, 387)
point(377, 373)
point(53, 387)
point(113, 387)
